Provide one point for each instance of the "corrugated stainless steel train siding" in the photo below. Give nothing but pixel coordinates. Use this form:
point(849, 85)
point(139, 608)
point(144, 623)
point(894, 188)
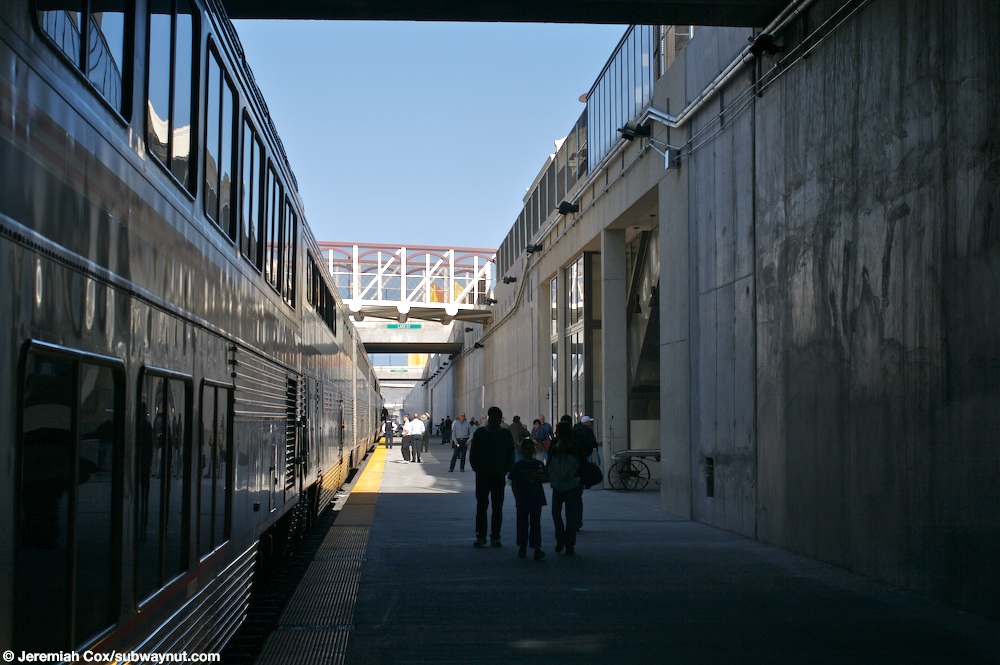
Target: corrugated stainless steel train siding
point(206, 622)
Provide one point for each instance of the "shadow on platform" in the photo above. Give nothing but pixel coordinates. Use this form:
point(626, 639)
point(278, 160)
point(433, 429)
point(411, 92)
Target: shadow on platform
point(644, 587)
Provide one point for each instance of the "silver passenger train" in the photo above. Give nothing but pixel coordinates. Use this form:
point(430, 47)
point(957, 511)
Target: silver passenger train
point(182, 391)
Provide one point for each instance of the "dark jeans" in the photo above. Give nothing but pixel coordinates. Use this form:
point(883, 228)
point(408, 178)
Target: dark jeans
point(489, 486)
point(529, 526)
point(459, 453)
point(566, 534)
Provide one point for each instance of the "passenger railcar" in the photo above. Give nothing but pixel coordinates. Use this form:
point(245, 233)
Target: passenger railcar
point(182, 389)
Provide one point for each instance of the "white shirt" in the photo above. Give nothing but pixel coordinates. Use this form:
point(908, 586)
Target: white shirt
point(417, 427)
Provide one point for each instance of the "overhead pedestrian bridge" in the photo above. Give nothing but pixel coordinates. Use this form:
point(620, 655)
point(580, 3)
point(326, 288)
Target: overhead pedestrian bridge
point(414, 299)
point(416, 282)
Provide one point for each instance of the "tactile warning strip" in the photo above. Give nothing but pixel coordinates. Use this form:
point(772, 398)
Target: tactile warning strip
point(357, 514)
point(344, 542)
point(317, 622)
point(293, 646)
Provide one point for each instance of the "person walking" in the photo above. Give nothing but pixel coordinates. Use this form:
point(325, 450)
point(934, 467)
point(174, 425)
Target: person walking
point(536, 427)
point(563, 468)
point(446, 430)
point(518, 430)
point(583, 435)
point(542, 436)
point(460, 432)
point(583, 432)
point(491, 455)
point(407, 440)
point(426, 436)
point(526, 478)
point(416, 438)
point(389, 430)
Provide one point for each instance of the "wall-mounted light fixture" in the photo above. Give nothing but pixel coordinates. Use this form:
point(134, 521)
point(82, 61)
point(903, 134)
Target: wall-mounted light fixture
point(468, 330)
point(763, 43)
point(477, 345)
point(509, 279)
point(491, 301)
point(633, 129)
point(565, 207)
point(530, 249)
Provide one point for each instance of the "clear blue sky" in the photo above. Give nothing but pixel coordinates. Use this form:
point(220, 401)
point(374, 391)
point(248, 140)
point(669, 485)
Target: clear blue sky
point(421, 133)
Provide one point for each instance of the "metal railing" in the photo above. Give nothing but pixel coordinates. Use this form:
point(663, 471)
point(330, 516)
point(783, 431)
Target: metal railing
point(416, 280)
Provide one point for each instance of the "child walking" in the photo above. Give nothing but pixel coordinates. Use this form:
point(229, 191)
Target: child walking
point(526, 478)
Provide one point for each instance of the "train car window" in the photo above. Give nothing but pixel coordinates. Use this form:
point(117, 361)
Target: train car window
point(94, 37)
point(163, 481)
point(69, 499)
point(288, 233)
point(319, 295)
point(311, 284)
point(272, 226)
point(219, 154)
point(251, 186)
point(169, 86)
point(214, 487)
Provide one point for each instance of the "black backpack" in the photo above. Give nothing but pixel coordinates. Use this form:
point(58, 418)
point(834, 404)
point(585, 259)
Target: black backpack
point(590, 474)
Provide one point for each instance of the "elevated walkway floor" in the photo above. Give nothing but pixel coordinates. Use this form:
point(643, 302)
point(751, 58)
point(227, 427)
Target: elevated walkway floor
point(397, 580)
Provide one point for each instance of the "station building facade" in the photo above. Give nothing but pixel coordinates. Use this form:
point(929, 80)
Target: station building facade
point(772, 257)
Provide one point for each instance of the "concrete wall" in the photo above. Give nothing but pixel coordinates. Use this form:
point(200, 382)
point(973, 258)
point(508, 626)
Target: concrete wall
point(845, 252)
point(509, 379)
point(829, 305)
point(719, 177)
point(442, 396)
point(467, 375)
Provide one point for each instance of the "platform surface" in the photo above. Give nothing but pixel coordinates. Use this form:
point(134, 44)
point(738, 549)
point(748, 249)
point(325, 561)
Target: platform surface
point(398, 581)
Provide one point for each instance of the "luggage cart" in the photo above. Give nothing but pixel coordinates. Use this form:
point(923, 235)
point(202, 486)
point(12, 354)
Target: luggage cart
point(629, 472)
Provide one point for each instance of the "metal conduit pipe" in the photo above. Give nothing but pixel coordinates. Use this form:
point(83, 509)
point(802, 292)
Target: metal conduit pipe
point(787, 15)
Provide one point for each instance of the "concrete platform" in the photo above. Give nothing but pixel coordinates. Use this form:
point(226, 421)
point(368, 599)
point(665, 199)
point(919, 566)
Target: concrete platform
point(400, 582)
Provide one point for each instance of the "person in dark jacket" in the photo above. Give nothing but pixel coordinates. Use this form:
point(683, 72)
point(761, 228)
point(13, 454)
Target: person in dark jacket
point(526, 478)
point(518, 430)
point(563, 468)
point(491, 455)
point(583, 434)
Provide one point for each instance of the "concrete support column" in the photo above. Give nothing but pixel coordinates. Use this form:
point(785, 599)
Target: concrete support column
point(675, 348)
point(559, 399)
point(614, 322)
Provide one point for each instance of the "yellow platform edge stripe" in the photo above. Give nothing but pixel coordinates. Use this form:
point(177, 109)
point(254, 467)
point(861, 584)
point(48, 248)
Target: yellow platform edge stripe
point(370, 481)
